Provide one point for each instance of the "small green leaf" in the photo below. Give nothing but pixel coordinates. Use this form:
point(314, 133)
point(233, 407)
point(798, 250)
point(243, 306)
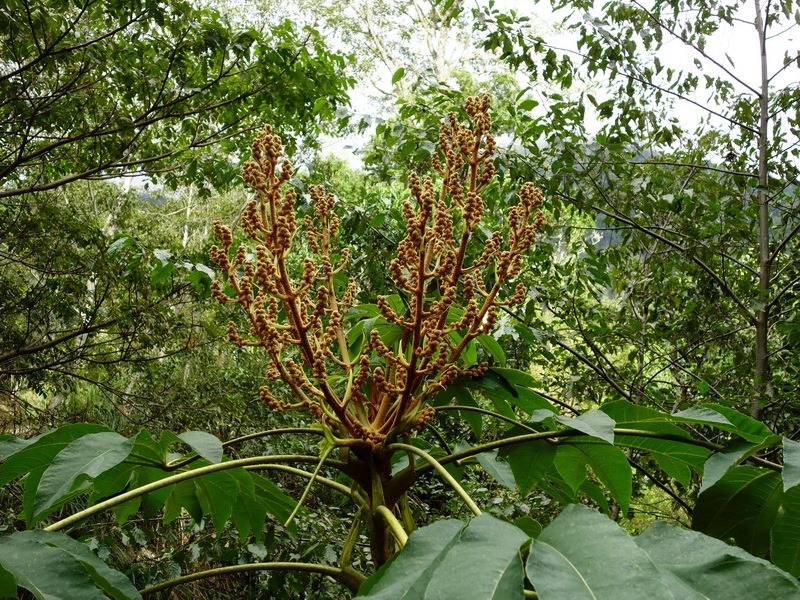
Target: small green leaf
point(498, 468)
point(530, 526)
point(398, 75)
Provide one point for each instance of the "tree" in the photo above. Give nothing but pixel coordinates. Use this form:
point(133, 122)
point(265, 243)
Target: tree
point(101, 90)
point(108, 89)
point(712, 210)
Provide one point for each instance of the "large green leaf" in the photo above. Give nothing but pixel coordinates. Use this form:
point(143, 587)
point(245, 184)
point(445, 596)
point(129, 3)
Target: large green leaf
point(785, 544)
point(53, 566)
point(713, 568)
point(741, 506)
point(86, 457)
point(529, 462)
point(608, 463)
point(485, 563)
point(449, 560)
point(407, 575)
point(583, 555)
point(39, 454)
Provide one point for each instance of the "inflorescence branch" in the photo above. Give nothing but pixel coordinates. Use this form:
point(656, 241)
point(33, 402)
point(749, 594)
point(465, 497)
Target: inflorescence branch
point(299, 317)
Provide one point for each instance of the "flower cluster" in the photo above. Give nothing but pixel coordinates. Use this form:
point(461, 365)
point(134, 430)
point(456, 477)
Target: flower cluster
point(299, 318)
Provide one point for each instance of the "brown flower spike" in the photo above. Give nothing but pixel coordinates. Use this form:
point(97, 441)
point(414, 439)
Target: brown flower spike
point(299, 317)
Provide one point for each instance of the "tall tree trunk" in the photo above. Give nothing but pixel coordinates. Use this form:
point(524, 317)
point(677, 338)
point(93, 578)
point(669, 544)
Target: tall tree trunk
point(762, 387)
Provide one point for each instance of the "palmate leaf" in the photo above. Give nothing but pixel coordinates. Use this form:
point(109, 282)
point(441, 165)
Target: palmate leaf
point(449, 560)
point(713, 568)
point(741, 506)
point(237, 495)
point(583, 555)
point(52, 566)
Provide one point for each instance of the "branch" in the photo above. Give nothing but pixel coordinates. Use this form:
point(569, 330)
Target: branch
point(27, 350)
point(434, 464)
point(394, 525)
point(349, 578)
point(156, 485)
point(699, 50)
